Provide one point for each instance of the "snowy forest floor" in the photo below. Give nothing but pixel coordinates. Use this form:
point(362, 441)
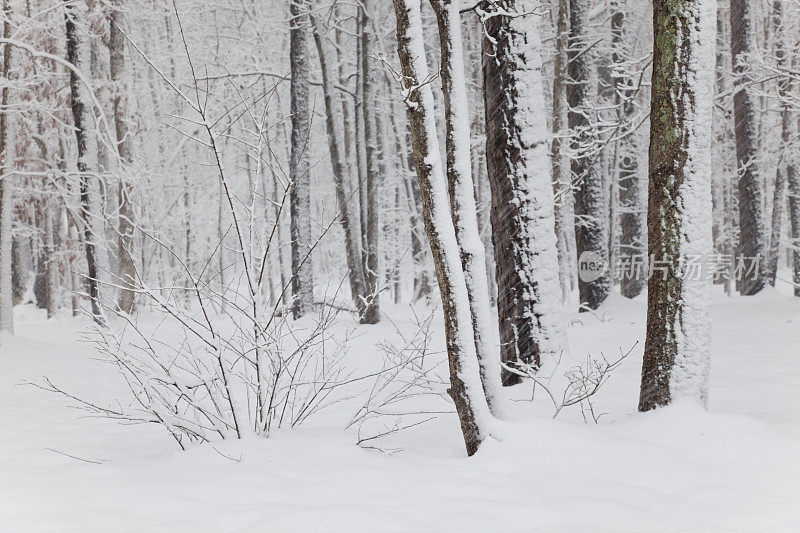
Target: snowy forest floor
point(734, 468)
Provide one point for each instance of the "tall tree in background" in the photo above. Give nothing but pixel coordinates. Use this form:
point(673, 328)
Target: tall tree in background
point(786, 163)
point(632, 219)
point(126, 270)
point(462, 199)
point(6, 184)
point(352, 235)
point(520, 175)
point(372, 315)
point(299, 170)
point(562, 179)
point(591, 226)
point(752, 236)
point(78, 54)
point(677, 347)
point(465, 385)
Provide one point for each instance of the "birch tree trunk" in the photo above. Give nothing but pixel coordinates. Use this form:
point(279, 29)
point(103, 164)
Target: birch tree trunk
point(6, 186)
point(372, 315)
point(465, 384)
point(352, 237)
point(126, 269)
point(462, 200)
point(632, 219)
point(78, 53)
point(520, 174)
point(299, 171)
point(591, 226)
point(752, 236)
point(677, 347)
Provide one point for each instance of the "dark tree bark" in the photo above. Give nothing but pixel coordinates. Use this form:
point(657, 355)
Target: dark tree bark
point(632, 219)
point(6, 188)
point(352, 237)
point(126, 269)
point(752, 236)
point(793, 180)
point(591, 227)
point(299, 170)
point(372, 315)
point(86, 135)
point(786, 135)
point(523, 226)
point(678, 324)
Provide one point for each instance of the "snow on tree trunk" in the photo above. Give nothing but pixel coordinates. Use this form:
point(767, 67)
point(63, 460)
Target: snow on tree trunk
point(79, 54)
point(6, 187)
point(373, 175)
point(793, 180)
point(752, 235)
point(299, 170)
point(677, 347)
point(352, 236)
point(465, 383)
point(632, 218)
point(562, 181)
point(591, 222)
point(520, 175)
point(126, 269)
point(462, 200)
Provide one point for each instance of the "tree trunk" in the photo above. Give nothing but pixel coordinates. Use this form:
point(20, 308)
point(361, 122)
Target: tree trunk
point(78, 53)
point(591, 226)
point(299, 171)
point(126, 269)
point(752, 236)
point(793, 179)
point(676, 353)
point(6, 187)
point(520, 174)
point(50, 265)
point(462, 200)
point(373, 179)
point(632, 220)
point(562, 182)
point(786, 137)
point(465, 385)
point(352, 237)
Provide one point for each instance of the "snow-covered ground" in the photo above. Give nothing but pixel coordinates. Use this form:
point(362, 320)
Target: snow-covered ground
point(734, 468)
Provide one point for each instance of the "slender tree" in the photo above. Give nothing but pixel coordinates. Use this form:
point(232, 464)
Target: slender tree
point(299, 170)
point(126, 269)
point(562, 181)
point(6, 185)
point(352, 236)
point(677, 346)
point(372, 315)
point(462, 199)
point(78, 54)
point(632, 220)
point(752, 235)
point(465, 384)
point(787, 121)
point(591, 227)
point(520, 175)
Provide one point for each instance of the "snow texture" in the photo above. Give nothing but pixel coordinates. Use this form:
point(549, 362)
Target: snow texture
point(689, 375)
point(679, 468)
